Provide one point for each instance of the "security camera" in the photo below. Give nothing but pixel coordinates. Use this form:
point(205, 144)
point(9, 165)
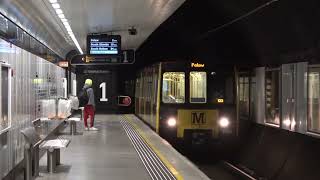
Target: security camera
point(132, 31)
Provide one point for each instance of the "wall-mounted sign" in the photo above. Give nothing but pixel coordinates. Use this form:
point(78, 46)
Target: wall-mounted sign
point(197, 65)
point(124, 101)
point(104, 44)
point(63, 64)
point(126, 57)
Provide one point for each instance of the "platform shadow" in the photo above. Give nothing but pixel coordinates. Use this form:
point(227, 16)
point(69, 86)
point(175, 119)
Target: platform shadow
point(63, 168)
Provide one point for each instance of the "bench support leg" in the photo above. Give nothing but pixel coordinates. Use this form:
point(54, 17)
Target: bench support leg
point(57, 157)
point(28, 164)
point(51, 161)
point(73, 127)
point(36, 161)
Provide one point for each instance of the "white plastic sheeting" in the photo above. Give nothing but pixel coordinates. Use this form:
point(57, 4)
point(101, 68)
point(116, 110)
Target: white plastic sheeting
point(64, 108)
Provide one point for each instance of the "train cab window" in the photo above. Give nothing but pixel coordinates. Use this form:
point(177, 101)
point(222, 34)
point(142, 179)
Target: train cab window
point(272, 89)
point(173, 87)
point(314, 100)
point(198, 87)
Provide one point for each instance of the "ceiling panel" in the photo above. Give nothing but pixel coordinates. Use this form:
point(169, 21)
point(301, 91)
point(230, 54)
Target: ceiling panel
point(34, 17)
point(89, 16)
point(116, 17)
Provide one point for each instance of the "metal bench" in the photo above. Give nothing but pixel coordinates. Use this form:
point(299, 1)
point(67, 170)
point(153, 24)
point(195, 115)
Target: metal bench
point(73, 124)
point(34, 143)
point(53, 151)
point(31, 152)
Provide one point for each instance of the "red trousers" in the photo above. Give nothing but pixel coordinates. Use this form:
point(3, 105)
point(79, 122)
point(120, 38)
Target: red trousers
point(88, 111)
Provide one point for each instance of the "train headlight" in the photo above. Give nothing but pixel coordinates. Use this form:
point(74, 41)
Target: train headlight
point(172, 122)
point(224, 122)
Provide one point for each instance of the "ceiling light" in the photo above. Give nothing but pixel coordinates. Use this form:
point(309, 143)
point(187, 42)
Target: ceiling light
point(59, 11)
point(64, 20)
point(76, 43)
point(61, 16)
point(68, 28)
point(55, 6)
point(66, 23)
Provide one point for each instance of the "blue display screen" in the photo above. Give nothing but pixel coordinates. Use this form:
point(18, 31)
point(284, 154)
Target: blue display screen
point(104, 44)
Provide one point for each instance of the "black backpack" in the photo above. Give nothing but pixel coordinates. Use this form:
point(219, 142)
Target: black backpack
point(83, 98)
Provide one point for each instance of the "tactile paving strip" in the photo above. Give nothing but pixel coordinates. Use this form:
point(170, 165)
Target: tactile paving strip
point(153, 164)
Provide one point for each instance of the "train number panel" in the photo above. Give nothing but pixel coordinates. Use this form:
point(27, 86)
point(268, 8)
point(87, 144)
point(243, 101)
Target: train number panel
point(195, 120)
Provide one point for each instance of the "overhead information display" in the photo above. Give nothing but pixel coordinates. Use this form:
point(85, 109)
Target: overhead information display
point(103, 44)
point(124, 57)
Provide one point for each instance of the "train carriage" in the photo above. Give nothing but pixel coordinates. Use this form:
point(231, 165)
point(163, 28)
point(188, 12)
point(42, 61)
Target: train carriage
point(188, 101)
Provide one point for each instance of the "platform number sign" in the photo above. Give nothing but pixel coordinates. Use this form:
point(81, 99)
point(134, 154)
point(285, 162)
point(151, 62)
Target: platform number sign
point(198, 118)
point(103, 93)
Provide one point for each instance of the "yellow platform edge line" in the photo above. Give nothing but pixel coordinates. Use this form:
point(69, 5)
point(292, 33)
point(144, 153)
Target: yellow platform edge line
point(162, 157)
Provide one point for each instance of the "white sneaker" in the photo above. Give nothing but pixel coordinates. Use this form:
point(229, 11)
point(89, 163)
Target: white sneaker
point(86, 128)
point(93, 129)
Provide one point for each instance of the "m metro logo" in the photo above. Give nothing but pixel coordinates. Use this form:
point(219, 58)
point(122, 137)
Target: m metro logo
point(198, 118)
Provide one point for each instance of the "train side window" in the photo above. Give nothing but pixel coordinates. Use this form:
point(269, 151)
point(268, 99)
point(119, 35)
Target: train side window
point(198, 87)
point(272, 95)
point(244, 96)
point(314, 100)
point(253, 88)
point(173, 87)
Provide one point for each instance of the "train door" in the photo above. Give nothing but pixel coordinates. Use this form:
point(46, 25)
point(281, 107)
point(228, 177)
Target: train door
point(288, 77)
point(244, 95)
point(293, 96)
point(243, 101)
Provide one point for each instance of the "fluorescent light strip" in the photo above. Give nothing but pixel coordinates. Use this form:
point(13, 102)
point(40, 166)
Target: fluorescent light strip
point(63, 19)
point(55, 6)
point(76, 43)
point(66, 23)
point(59, 11)
point(61, 16)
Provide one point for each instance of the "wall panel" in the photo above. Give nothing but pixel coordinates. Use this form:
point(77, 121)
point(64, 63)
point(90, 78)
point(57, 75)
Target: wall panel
point(33, 79)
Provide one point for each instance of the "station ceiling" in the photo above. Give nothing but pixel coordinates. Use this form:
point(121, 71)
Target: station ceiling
point(216, 31)
point(253, 32)
point(39, 18)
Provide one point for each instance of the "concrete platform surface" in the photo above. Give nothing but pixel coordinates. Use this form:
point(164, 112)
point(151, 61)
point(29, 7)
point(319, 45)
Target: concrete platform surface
point(185, 168)
point(108, 154)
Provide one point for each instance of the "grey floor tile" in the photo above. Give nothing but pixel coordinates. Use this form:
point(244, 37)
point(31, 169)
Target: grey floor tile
point(106, 154)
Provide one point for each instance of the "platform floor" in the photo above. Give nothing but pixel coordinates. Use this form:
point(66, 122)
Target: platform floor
point(98, 155)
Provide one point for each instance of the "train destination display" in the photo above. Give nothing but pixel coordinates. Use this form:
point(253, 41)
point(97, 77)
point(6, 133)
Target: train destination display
point(103, 45)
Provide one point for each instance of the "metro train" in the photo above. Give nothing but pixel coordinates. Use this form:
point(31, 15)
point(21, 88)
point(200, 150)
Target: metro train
point(188, 102)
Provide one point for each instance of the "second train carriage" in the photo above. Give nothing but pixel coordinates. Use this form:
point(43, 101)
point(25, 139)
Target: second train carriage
point(186, 101)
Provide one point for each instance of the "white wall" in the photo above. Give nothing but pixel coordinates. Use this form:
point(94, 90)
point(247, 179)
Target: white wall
point(26, 94)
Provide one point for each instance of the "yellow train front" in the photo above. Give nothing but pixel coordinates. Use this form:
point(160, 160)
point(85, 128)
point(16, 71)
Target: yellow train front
point(188, 102)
